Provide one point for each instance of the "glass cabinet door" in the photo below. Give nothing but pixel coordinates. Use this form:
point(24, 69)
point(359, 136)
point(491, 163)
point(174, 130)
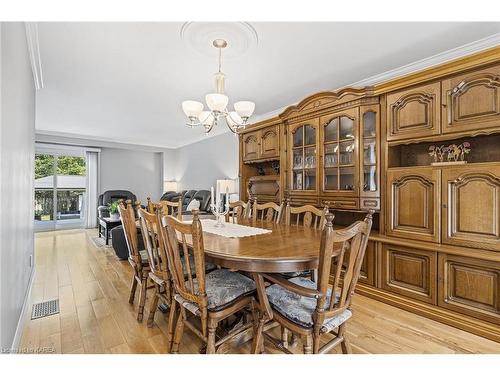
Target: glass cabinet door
point(369, 171)
point(304, 158)
point(339, 152)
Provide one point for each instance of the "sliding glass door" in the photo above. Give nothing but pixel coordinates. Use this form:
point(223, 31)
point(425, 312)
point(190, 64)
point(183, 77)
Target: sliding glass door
point(60, 191)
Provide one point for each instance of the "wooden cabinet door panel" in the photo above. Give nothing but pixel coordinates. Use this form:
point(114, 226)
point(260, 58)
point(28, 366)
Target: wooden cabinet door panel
point(367, 274)
point(269, 142)
point(409, 272)
point(472, 101)
point(414, 113)
point(413, 199)
point(470, 286)
point(471, 206)
point(251, 146)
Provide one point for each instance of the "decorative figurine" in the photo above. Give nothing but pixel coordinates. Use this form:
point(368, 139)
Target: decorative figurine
point(455, 154)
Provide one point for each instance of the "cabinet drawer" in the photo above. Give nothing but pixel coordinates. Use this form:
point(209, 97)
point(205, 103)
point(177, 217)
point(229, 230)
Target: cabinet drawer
point(470, 286)
point(370, 203)
point(302, 200)
point(409, 272)
point(341, 203)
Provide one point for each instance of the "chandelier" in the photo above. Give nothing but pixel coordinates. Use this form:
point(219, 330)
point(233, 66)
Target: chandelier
point(217, 103)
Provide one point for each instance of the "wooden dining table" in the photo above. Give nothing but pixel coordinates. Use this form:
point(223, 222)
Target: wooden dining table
point(285, 249)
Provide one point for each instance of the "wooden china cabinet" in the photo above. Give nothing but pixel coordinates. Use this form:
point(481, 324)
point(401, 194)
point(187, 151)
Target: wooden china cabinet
point(434, 248)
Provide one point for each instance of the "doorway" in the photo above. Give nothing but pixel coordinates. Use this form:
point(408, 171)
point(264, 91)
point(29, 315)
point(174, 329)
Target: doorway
point(60, 191)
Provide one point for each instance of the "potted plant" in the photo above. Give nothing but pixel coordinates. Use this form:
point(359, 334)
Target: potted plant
point(113, 210)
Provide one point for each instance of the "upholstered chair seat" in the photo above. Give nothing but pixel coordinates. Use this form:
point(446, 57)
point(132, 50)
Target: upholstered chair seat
point(222, 287)
point(300, 309)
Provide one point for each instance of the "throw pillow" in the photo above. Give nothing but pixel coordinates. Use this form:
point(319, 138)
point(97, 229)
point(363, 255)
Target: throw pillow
point(194, 204)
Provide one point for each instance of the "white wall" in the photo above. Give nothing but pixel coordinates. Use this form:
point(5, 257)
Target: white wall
point(199, 165)
point(141, 172)
point(16, 176)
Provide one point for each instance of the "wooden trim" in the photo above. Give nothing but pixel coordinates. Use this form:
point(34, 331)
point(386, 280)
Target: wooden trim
point(466, 323)
point(440, 71)
point(440, 248)
point(261, 124)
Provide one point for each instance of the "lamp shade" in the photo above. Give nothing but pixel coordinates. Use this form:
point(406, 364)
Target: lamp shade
point(234, 119)
point(244, 109)
point(170, 186)
point(206, 118)
point(227, 184)
point(192, 108)
point(217, 102)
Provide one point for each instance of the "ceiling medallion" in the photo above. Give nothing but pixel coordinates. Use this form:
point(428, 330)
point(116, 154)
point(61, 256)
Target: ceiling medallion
point(217, 103)
point(240, 36)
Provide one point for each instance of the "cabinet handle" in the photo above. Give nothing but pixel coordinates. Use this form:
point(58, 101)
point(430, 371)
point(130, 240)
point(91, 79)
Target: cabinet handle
point(444, 205)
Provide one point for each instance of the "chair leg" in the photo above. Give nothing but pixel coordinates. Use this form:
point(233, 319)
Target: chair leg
point(179, 330)
point(295, 340)
point(133, 288)
point(284, 337)
point(308, 344)
point(258, 336)
point(345, 344)
point(153, 306)
point(171, 325)
point(142, 298)
point(212, 326)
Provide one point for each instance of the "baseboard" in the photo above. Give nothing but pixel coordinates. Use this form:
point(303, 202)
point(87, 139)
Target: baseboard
point(20, 324)
point(478, 327)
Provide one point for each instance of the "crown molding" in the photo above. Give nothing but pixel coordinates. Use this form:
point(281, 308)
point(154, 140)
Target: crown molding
point(48, 136)
point(440, 58)
point(34, 53)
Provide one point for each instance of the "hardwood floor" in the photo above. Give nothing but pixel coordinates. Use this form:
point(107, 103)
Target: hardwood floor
point(95, 315)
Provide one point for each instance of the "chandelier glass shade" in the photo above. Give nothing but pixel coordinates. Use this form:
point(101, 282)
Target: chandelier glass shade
point(217, 104)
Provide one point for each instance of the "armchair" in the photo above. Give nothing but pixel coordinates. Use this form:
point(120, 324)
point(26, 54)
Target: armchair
point(109, 196)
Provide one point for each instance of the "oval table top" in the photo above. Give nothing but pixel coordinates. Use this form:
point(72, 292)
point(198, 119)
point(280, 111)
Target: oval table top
point(286, 249)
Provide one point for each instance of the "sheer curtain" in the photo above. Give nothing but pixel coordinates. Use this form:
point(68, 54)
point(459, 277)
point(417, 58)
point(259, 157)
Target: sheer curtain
point(92, 173)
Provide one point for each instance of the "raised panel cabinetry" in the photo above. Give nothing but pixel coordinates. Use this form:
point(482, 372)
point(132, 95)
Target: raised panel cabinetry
point(269, 142)
point(413, 203)
point(471, 101)
point(251, 146)
point(470, 286)
point(414, 112)
point(471, 206)
point(409, 272)
point(261, 144)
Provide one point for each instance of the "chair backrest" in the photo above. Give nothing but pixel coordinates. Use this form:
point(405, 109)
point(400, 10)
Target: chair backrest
point(157, 255)
point(238, 211)
point(172, 208)
point(174, 235)
point(127, 215)
point(333, 248)
point(307, 216)
point(270, 212)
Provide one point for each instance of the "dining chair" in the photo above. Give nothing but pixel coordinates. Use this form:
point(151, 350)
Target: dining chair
point(313, 309)
point(238, 211)
point(270, 212)
point(209, 297)
point(137, 258)
point(306, 216)
point(173, 208)
point(158, 262)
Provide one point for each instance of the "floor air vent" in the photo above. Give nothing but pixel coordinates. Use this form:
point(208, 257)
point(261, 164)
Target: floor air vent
point(43, 309)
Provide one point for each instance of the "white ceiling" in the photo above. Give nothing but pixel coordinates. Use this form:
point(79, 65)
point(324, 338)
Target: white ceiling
point(125, 81)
